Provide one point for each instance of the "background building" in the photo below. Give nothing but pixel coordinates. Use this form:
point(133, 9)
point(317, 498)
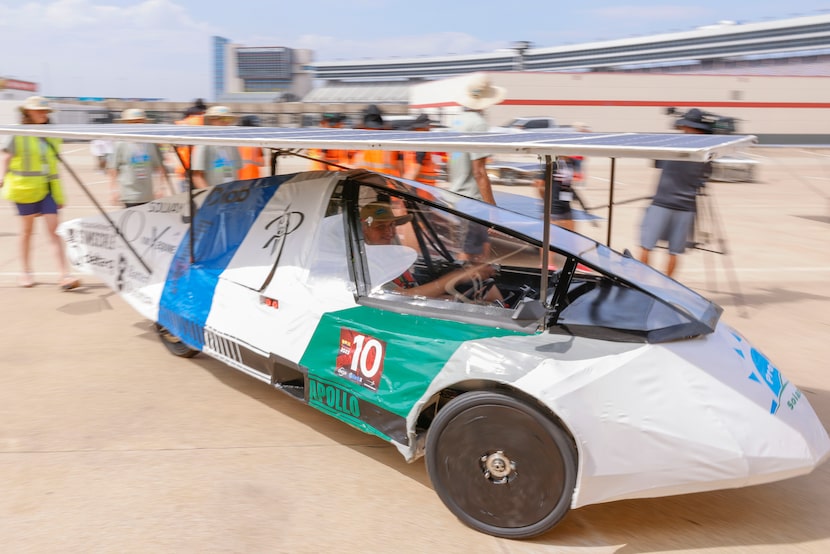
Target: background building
point(259, 73)
point(15, 89)
point(777, 109)
point(773, 76)
point(795, 46)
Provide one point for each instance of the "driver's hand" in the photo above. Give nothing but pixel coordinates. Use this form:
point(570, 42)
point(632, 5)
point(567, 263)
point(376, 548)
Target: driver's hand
point(480, 271)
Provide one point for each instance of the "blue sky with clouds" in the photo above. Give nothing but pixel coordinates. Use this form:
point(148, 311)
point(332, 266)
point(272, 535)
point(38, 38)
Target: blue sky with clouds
point(161, 48)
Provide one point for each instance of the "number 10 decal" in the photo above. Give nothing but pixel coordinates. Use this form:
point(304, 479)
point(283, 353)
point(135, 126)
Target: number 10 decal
point(360, 358)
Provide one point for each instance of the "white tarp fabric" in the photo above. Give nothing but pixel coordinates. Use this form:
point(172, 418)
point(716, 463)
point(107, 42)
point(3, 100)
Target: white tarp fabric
point(110, 248)
point(260, 269)
point(655, 420)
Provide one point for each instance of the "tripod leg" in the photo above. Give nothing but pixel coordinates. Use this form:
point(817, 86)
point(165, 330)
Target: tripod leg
point(698, 238)
point(728, 267)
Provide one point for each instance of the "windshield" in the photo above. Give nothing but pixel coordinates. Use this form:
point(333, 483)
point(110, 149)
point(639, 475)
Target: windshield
point(590, 253)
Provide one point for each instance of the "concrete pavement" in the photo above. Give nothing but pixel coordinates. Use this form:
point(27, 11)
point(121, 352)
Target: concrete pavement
point(110, 444)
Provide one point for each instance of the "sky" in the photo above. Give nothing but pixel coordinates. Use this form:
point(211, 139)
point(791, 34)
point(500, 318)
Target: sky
point(162, 48)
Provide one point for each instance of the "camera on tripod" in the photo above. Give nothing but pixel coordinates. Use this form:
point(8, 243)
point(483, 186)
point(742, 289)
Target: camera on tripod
point(710, 123)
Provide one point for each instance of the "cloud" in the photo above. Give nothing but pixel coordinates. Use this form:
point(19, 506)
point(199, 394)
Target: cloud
point(79, 48)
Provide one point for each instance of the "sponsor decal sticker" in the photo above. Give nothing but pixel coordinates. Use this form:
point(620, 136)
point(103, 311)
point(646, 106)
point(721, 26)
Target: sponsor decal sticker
point(769, 375)
point(280, 227)
point(360, 358)
point(333, 398)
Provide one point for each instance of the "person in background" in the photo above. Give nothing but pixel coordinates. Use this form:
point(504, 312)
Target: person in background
point(330, 159)
point(252, 157)
point(467, 173)
point(194, 115)
point(579, 161)
point(214, 165)
point(131, 167)
point(562, 193)
point(671, 215)
point(380, 161)
point(421, 166)
point(101, 150)
point(29, 178)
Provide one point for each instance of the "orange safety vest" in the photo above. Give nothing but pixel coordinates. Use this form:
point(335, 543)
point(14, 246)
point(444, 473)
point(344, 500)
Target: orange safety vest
point(184, 151)
point(379, 161)
point(428, 170)
point(316, 164)
point(339, 157)
point(252, 160)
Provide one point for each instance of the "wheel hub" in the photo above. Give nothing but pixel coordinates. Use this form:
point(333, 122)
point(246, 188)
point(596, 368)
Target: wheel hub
point(498, 468)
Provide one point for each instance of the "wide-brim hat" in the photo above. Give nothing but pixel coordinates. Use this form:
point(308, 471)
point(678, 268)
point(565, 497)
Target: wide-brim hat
point(132, 114)
point(479, 93)
point(219, 112)
point(36, 103)
point(695, 119)
point(381, 212)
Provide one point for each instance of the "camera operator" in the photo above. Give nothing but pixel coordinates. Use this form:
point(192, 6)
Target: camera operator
point(671, 215)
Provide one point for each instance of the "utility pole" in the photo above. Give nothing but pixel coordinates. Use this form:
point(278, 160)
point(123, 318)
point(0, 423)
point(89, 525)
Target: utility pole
point(521, 46)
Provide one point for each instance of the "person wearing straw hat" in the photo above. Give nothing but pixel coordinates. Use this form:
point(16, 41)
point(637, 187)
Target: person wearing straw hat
point(467, 173)
point(29, 178)
point(132, 164)
point(214, 165)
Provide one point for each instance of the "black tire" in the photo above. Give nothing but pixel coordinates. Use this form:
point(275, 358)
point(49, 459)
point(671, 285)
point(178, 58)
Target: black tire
point(174, 343)
point(533, 462)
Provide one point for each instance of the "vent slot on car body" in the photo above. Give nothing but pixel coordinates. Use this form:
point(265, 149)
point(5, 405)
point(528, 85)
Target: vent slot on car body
point(271, 368)
point(238, 355)
point(223, 346)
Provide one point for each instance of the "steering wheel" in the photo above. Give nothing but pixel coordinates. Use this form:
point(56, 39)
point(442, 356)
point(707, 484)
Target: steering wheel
point(478, 290)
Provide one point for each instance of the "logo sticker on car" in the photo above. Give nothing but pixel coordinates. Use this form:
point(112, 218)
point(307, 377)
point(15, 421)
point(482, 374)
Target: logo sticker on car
point(360, 358)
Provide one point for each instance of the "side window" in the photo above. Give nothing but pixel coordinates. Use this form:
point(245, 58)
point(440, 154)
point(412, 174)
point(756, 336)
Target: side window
point(425, 255)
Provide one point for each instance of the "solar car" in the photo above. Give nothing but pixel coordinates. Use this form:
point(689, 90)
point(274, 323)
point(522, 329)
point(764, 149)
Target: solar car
point(536, 374)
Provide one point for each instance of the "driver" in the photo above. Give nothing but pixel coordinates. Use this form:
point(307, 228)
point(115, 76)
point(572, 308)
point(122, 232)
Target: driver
point(379, 223)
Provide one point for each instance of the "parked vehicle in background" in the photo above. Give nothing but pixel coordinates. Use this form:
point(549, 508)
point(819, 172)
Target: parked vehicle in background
point(531, 124)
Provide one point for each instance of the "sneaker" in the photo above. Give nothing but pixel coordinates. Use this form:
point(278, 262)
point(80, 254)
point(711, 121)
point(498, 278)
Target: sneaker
point(68, 282)
point(27, 280)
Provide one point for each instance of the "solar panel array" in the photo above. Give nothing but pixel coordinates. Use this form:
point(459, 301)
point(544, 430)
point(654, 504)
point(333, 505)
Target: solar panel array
point(665, 146)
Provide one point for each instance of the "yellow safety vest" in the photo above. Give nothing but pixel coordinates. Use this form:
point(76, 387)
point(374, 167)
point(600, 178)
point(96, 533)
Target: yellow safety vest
point(32, 171)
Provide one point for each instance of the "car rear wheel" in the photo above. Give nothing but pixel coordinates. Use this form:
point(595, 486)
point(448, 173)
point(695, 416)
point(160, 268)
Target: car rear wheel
point(174, 343)
point(500, 466)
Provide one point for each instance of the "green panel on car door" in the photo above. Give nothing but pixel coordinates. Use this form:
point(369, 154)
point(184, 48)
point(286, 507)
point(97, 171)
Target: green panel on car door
point(386, 358)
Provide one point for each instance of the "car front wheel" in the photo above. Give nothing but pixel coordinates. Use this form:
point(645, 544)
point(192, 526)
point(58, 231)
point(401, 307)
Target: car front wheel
point(174, 343)
point(501, 466)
